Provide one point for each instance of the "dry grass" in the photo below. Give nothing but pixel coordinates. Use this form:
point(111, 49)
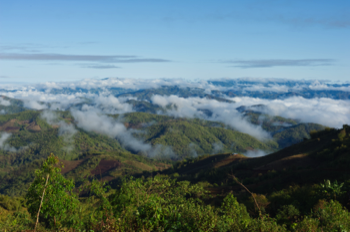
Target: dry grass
point(299, 160)
point(11, 127)
point(139, 165)
point(104, 166)
point(70, 165)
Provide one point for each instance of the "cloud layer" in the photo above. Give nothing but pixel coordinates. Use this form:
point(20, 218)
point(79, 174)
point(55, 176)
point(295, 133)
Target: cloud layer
point(92, 101)
point(94, 120)
point(221, 111)
point(325, 111)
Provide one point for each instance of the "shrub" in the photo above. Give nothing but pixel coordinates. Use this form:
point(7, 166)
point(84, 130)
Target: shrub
point(287, 214)
point(53, 193)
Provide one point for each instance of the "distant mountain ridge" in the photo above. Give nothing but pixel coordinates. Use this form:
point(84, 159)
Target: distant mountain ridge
point(218, 89)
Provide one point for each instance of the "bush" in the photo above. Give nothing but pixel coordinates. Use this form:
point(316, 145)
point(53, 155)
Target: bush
point(53, 193)
point(287, 214)
point(333, 217)
point(10, 203)
point(234, 215)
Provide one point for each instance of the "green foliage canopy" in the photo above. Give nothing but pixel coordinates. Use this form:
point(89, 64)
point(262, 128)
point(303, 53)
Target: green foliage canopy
point(59, 199)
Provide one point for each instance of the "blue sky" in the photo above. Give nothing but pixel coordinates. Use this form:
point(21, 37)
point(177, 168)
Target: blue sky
point(71, 40)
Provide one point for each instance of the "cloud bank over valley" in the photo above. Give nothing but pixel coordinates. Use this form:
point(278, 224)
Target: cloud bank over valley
point(92, 104)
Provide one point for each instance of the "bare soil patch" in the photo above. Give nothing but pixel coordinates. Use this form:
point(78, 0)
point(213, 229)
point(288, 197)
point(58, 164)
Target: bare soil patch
point(12, 126)
point(104, 166)
point(34, 127)
point(70, 165)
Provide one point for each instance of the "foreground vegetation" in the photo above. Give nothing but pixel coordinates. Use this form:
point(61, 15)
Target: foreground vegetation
point(100, 186)
point(163, 203)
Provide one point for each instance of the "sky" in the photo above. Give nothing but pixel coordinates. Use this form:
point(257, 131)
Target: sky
point(42, 41)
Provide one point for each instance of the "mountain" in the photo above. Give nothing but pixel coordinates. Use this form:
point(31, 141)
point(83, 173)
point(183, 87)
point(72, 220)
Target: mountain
point(28, 138)
point(10, 105)
point(181, 146)
point(287, 185)
point(325, 155)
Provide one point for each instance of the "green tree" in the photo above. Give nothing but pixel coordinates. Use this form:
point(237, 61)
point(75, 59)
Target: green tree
point(331, 190)
point(51, 196)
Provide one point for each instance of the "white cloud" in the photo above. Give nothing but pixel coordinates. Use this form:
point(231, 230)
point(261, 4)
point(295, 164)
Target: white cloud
point(255, 153)
point(269, 88)
point(222, 112)
point(31, 104)
point(94, 120)
point(67, 131)
point(112, 105)
point(96, 104)
point(325, 111)
point(3, 137)
point(4, 102)
point(217, 147)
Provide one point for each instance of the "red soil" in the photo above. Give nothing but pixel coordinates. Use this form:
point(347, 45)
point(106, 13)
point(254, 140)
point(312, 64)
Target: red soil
point(104, 166)
point(69, 165)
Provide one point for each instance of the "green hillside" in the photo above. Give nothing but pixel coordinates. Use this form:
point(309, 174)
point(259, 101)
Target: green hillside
point(32, 139)
point(190, 137)
point(324, 155)
point(303, 187)
point(204, 135)
point(10, 105)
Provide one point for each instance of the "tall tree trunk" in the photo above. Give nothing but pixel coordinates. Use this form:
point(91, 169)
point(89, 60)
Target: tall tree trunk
point(41, 202)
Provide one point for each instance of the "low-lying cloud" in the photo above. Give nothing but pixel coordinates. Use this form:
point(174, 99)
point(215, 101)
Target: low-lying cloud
point(255, 153)
point(112, 105)
point(238, 85)
point(325, 111)
point(91, 100)
point(67, 131)
point(217, 147)
point(4, 102)
point(4, 136)
point(94, 120)
point(221, 111)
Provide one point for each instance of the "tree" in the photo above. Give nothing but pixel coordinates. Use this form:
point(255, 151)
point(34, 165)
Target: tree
point(331, 190)
point(50, 196)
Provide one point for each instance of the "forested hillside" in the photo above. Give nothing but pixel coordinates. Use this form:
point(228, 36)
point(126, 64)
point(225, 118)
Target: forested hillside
point(300, 188)
point(29, 136)
point(174, 116)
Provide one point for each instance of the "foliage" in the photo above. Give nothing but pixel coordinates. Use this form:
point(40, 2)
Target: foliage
point(329, 190)
point(287, 214)
point(9, 203)
point(162, 203)
point(55, 193)
point(192, 195)
point(329, 216)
